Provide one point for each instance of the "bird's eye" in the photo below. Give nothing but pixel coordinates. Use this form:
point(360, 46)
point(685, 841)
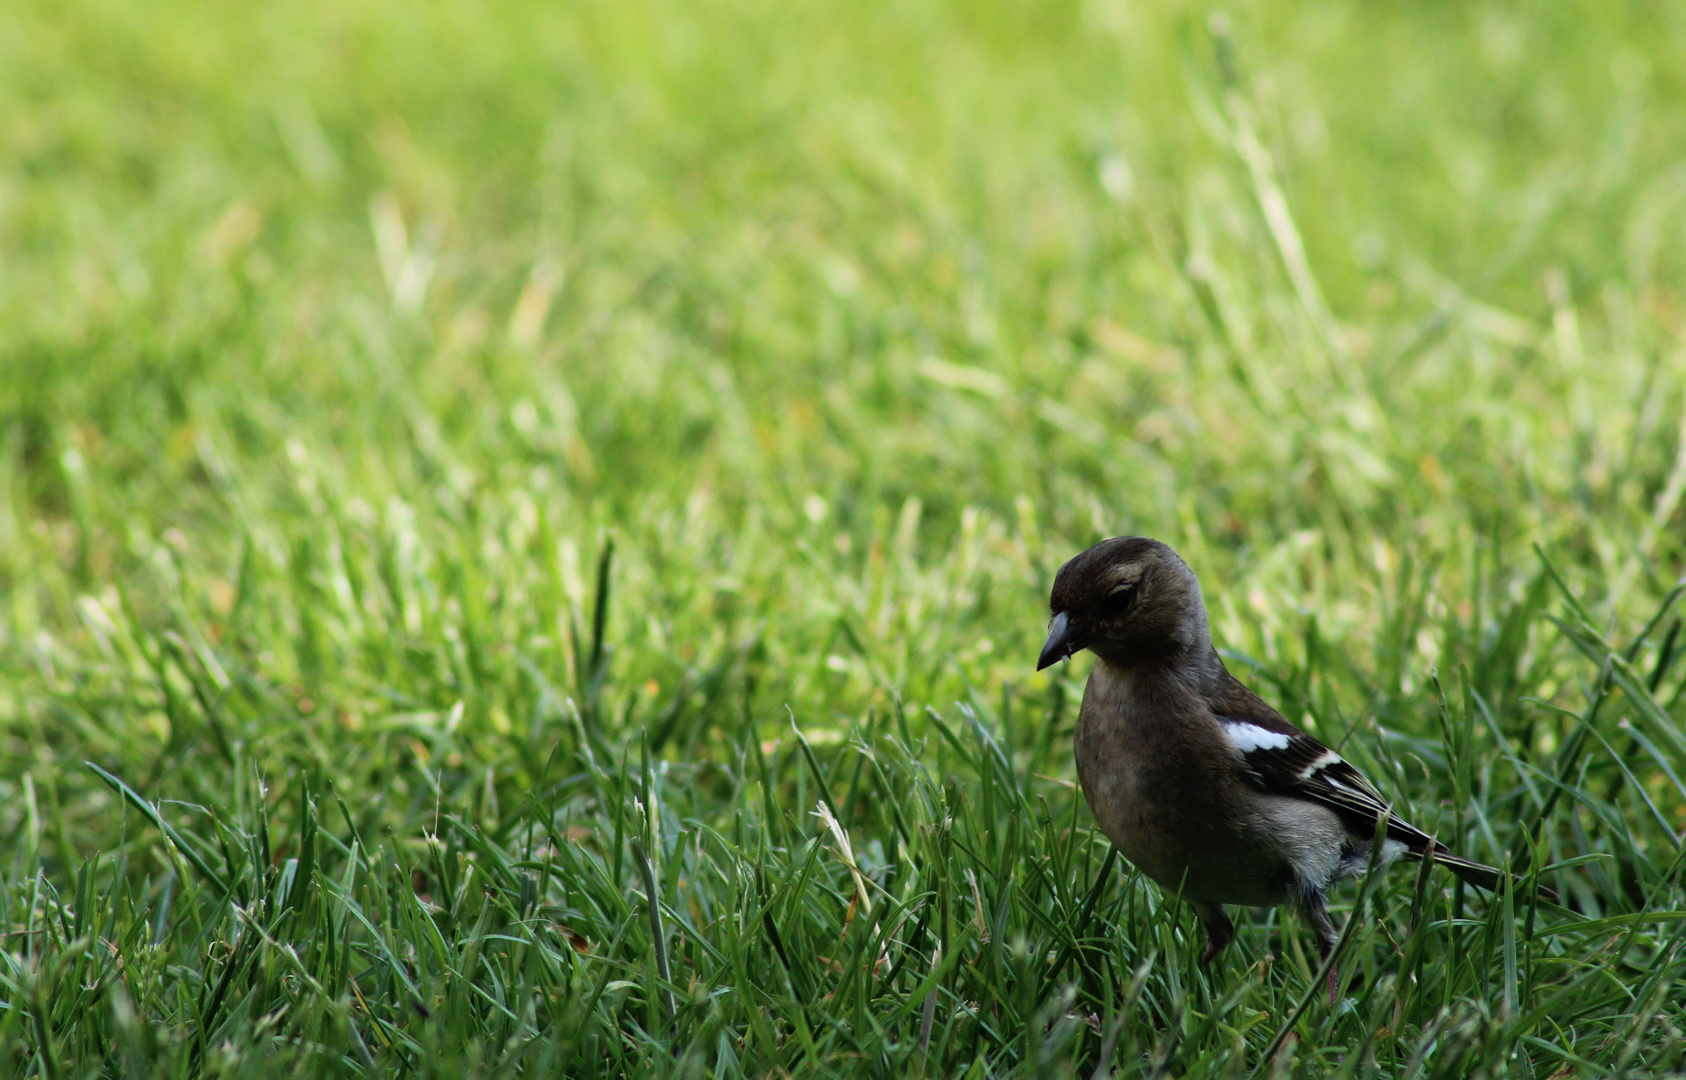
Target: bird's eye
point(1122, 595)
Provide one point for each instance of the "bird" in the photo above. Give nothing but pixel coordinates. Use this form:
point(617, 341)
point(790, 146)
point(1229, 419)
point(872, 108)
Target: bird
point(1200, 784)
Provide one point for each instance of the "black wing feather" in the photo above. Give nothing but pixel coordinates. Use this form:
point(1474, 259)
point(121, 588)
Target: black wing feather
point(1285, 760)
point(1281, 758)
point(1307, 769)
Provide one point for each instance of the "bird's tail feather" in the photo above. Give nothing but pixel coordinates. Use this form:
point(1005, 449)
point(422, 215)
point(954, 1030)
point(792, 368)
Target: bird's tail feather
point(1480, 875)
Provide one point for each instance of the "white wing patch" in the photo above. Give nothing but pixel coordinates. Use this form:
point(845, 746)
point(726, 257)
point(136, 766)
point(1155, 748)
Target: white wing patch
point(1324, 760)
point(1250, 737)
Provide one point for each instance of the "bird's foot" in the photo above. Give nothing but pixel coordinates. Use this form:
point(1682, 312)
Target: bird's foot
point(1219, 930)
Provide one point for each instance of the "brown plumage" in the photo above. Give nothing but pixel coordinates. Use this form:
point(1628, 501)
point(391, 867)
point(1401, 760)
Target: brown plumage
point(1201, 785)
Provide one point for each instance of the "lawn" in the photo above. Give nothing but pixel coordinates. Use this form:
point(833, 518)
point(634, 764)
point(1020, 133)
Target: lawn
point(525, 529)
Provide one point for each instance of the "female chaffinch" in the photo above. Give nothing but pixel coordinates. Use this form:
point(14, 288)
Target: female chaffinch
point(1201, 785)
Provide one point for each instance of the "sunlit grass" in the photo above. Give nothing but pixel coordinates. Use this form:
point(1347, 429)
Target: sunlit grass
point(524, 531)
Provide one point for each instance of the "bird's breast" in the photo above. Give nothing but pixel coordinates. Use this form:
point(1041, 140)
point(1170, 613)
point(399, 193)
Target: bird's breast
point(1158, 792)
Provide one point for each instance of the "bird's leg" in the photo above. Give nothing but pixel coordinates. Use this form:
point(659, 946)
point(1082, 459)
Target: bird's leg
point(1219, 930)
point(1317, 913)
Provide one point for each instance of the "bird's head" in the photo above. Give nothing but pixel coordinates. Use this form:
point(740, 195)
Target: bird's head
point(1128, 599)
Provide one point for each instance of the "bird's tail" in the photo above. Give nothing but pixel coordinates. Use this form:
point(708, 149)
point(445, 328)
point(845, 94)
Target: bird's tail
point(1481, 875)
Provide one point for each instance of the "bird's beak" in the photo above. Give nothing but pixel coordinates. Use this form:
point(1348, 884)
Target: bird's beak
point(1064, 638)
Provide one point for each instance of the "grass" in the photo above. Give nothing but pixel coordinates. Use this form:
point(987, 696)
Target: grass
point(524, 530)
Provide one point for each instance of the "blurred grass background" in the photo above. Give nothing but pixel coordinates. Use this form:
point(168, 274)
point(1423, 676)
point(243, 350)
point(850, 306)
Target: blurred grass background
point(340, 341)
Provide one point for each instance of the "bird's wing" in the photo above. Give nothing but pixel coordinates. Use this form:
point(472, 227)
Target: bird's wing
point(1282, 759)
